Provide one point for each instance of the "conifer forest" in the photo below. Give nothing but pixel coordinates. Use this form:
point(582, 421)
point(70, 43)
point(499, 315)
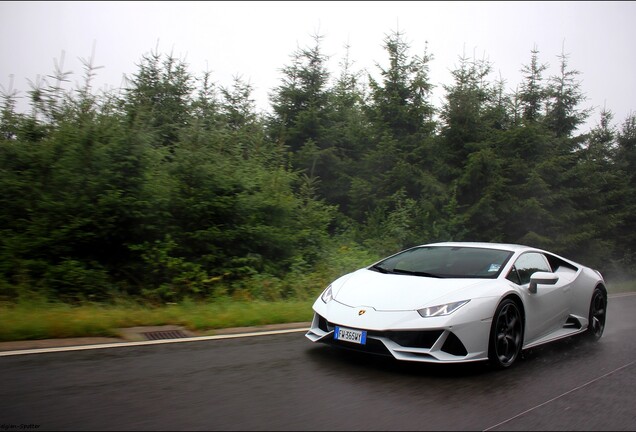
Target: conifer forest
point(174, 187)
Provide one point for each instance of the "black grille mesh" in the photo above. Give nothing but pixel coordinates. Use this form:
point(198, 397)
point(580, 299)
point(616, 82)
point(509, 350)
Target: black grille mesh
point(165, 334)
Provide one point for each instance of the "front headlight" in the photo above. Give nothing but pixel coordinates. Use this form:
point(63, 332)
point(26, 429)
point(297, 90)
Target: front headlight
point(441, 310)
point(326, 295)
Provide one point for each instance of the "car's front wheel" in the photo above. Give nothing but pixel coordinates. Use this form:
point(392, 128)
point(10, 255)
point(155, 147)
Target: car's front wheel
point(506, 335)
point(598, 312)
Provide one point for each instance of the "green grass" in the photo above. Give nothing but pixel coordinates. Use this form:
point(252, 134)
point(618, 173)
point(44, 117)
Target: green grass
point(39, 319)
point(621, 287)
point(43, 320)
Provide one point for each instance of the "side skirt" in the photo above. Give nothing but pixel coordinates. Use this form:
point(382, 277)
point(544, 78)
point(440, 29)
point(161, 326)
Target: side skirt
point(559, 334)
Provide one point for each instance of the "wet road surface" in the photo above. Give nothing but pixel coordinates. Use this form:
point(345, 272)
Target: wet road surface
point(285, 382)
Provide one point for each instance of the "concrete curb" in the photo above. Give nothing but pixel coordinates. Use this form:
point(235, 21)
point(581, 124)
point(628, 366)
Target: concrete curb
point(138, 334)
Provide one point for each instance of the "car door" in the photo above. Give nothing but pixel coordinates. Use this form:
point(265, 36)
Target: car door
point(547, 309)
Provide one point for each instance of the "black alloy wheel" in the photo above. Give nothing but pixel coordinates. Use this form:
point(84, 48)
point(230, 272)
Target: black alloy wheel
point(506, 335)
point(598, 313)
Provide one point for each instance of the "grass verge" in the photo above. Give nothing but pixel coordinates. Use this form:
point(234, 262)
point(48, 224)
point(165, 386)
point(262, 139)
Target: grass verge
point(31, 320)
point(43, 320)
point(621, 287)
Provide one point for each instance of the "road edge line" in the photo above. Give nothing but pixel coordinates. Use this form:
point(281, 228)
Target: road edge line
point(151, 342)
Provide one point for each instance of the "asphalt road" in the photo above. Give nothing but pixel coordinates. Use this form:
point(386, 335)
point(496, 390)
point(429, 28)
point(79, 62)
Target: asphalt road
point(284, 382)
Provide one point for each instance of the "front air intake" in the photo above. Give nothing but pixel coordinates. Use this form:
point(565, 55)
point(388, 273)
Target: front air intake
point(454, 346)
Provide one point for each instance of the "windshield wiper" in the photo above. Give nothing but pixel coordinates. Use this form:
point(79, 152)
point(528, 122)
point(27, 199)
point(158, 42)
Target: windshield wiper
point(417, 273)
point(381, 269)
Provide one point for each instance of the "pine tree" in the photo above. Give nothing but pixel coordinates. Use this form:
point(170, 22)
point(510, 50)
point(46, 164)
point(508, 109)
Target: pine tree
point(587, 196)
point(349, 134)
point(533, 92)
point(402, 115)
point(159, 97)
point(238, 105)
point(396, 183)
point(401, 101)
point(563, 115)
point(626, 164)
point(463, 115)
point(300, 102)
point(8, 116)
point(205, 107)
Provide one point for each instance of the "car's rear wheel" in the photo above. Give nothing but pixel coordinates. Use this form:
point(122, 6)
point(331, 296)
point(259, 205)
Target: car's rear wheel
point(598, 312)
point(506, 335)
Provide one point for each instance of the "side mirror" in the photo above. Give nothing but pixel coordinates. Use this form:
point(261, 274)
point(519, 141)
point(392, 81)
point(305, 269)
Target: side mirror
point(543, 278)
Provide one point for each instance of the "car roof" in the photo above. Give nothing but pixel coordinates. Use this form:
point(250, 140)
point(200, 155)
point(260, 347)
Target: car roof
point(500, 246)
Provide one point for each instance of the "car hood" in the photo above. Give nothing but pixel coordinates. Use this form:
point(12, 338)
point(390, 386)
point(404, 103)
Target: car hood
point(393, 292)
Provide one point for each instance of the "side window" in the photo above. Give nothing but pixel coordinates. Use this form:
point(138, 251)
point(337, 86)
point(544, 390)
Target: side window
point(514, 276)
point(526, 265)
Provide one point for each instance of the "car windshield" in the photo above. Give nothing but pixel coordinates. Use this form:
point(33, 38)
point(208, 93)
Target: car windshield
point(446, 262)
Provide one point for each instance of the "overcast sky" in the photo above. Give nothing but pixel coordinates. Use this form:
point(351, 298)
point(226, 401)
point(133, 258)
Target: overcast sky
point(254, 40)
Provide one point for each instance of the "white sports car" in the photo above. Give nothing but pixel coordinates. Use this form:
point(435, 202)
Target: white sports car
point(461, 302)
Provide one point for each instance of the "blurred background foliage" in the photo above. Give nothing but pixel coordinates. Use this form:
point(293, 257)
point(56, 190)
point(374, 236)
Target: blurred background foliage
point(173, 188)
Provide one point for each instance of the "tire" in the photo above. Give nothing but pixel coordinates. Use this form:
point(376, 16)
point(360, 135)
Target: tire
point(506, 335)
point(598, 313)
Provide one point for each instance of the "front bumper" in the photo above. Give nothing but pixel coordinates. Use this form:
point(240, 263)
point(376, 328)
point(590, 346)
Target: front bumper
point(397, 334)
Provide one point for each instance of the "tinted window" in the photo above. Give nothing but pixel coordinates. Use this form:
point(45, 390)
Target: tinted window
point(446, 262)
point(526, 265)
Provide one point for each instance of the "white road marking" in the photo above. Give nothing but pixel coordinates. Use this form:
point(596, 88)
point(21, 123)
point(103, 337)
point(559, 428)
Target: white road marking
point(152, 342)
point(574, 389)
point(560, 396)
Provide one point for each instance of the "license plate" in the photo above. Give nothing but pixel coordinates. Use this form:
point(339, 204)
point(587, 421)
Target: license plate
point(350, 335)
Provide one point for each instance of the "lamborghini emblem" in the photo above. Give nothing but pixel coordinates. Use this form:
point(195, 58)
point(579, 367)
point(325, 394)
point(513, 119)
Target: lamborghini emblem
point(361, 312)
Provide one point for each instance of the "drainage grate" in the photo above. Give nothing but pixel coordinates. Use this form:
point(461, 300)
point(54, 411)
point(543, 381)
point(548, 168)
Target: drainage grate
point(165, 334)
